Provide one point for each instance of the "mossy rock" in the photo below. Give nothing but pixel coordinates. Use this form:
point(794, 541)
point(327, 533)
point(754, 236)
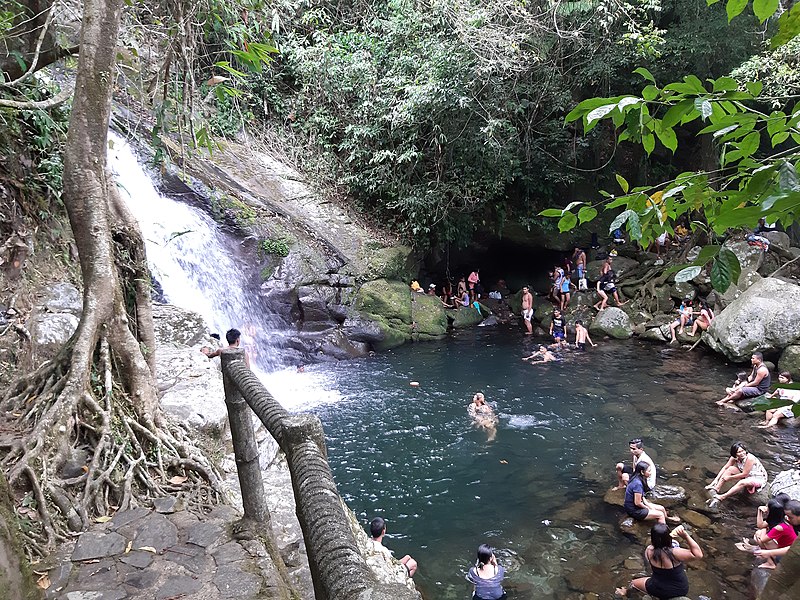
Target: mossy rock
point(393, 262)
point(466, 316)
point(430, 317)
point(388, 304)
point(16, 579)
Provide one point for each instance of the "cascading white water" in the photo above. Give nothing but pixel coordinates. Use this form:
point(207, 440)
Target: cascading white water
point(193, 261)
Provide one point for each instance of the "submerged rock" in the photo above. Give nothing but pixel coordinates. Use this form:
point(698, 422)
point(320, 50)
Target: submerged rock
point(667, 495)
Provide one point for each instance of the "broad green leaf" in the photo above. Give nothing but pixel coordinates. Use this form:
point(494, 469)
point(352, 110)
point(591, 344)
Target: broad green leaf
point(622, 183)
point(703, 106)
point(667, 137)
point(551, 212)
point(635, 227)
point(735, 8)
point(779, 138)
point(687, 274)
point(776, 122)
point(646, 74)
point(620, 220)
point(649, 142)
point(706, 253)
point(725, 84)
point(600, 112)
point(586, 214)
point(676, 113)
point(749, 145)
point(725, 270)
point(693, 81)
point(650, 92)
point(754, 87)
point(764, 9)
point(567, 222)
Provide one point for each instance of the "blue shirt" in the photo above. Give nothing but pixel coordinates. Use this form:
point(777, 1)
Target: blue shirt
point(635, 486)
point(487, 589)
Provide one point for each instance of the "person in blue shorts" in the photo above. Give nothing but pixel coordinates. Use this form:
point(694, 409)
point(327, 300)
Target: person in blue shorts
point(558, 327)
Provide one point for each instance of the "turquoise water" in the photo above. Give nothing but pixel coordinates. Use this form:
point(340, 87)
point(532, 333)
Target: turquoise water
point(535, 492)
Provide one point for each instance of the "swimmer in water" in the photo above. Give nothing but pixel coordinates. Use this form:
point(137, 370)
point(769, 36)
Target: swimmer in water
point(541, 355)
point(482, 415)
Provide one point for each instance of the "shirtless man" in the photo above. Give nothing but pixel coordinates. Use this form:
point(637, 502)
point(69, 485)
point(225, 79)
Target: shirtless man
point(527, 309)
point(758, 383)
point(579, 260)
point(582, 336)
point(541, 355)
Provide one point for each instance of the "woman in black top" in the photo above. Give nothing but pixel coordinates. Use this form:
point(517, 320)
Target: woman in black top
point(667, 563)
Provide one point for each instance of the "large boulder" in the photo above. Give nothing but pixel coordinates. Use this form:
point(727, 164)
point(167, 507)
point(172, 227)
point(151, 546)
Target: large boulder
point(765, 317)
point(612, 321)
point(790, 361)
point(177, 326)
point(750, 257)
point(49, 331)
point(61, 298)
point(786, 482)
point(466, 316)
point(777, 238)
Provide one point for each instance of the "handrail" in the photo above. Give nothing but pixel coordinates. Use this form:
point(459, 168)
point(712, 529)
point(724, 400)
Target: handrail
point(338, 569)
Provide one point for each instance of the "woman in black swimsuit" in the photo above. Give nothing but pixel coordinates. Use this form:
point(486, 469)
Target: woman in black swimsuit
point(667, 563)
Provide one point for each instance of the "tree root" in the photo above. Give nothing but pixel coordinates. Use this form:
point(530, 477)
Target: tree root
point(130, 459)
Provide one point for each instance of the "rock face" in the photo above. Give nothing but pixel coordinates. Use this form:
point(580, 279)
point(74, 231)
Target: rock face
point(790, 361)
point(621, 266)
point(399, 314)
point(612, 321)
point(765, 317)
point(190, 384)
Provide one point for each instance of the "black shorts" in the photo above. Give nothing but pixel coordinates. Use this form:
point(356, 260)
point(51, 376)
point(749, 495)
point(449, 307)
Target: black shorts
point(640, 514)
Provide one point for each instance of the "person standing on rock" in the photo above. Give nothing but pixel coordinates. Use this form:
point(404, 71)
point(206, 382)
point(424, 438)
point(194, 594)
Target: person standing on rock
point(527, 309)
point(757, 384)
point(607, 286)
point(234, 338)
point(377, 529)
point(637, 455)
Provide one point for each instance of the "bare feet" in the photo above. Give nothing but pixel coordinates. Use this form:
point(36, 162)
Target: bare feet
point(617, 487)
point(674, 519)
point(621, 592)
point(766, 565)
point(745, 547)
point(712, 486)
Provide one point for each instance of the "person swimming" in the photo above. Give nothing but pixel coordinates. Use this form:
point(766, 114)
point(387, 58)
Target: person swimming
point(482, 415)
point(541, 355)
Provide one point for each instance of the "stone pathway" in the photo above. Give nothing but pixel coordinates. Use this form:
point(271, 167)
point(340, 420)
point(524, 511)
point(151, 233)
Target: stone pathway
point(162, 553)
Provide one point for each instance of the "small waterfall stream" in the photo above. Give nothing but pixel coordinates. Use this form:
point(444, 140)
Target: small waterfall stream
point(201, 268)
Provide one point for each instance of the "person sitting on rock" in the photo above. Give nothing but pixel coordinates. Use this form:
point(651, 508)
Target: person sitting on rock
point(637, 454)
point(684, 319)
point(779, 539)
point(703, 320)
point(666, 563)
point(757, 384)
point(377, 528)
point(774, 532)
point(636, 505)
point(744, 469)
point(784, 412)
point(741, 380)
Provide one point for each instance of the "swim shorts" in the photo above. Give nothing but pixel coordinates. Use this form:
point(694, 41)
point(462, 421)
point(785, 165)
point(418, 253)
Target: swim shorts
point(751, 392)
point(527, 314)
point(581, 345)
point(558, 335)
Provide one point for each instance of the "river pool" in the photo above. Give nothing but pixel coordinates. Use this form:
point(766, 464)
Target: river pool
point(536, 491)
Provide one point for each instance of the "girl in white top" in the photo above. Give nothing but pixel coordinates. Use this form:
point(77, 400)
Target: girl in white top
point(743, 468)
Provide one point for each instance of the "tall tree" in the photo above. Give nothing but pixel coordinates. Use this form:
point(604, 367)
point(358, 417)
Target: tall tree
point(76, 398)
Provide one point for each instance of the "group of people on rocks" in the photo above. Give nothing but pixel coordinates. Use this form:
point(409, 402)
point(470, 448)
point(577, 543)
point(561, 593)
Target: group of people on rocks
point(699, 317)
point(777, 523)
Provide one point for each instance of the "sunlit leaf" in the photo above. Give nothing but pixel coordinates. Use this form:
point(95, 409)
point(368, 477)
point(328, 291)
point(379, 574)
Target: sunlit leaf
point(622, 183)
point(586, 214)
point(735, 8)
point(646, 74)
point(687, 274)
point(567, 222)
point(764, 9)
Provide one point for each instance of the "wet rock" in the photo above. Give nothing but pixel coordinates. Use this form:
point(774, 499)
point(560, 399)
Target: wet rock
point(790, 360)
point(614, 497)
point(102, 595)
point(766, 318)
point(758, 581)
point(621, 266)
point(465, 317)
point(654, 335)
point(696, 519)
point(667, 495)
point(590, 578)
point(613, 322)
point(637, 529)
point(360, 329)
point(786, 482)
point(75, 464)
point(93, 545)
point(683, 290)
point(777, 238)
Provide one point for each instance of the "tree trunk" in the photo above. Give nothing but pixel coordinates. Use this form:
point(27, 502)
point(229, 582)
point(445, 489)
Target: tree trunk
point(88, 197)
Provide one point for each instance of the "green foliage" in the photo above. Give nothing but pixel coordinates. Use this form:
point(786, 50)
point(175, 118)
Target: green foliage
point(274, 247)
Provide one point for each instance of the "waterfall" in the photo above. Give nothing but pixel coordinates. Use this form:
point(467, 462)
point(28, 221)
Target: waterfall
point(202, 269)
